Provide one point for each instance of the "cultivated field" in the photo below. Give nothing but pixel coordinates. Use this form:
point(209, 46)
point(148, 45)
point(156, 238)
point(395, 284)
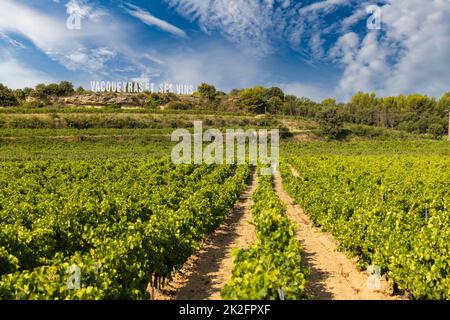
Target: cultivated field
point(91, 207)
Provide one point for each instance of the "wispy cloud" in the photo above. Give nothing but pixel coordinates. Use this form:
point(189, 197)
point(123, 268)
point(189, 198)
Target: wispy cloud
point(88, 49)
point(11, 41)
point(410, 53)
point(16, 75)
point(149, 19)
point(252, 24)
point(84, 9)
point(217, 63)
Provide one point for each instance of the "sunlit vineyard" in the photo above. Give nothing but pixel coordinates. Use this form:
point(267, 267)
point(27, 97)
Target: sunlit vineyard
point(271, 269)
point(392, 212)
point(122, 225)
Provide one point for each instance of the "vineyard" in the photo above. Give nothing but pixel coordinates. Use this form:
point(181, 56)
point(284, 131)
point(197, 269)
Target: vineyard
point(271, 268)
point(102, 213)
point(118, 225)
point(224, 159)
point(391, 212)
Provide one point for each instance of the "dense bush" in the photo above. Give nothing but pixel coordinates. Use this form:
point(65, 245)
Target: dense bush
point(331, 122)
point(7, 97)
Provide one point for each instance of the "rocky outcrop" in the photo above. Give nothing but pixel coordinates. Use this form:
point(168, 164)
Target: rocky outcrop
point(102, 99)
point(118, 99)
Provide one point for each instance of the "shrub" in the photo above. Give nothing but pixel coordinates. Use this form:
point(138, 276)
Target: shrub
point(331, 123)
point(7, 97)
point(179, 105)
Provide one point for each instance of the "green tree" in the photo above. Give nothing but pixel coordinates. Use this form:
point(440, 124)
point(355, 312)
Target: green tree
point(437, 130)
point(7, 97)
point(65, 88)
point(154, 100)
point(443, 106)
point(274, 105)
point(207, 91)
point(274, 92)
point(331, 122)
point(52, 89)
point(235, 92)
point(28, 91)
point(329, 102)
point(307, 107)
point(80, 90)
point(363, 108)
point(291, 104)
point(20, 94)
point(40, 91)
point(253, 99)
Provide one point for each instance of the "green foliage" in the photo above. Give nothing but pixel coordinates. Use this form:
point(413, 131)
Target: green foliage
point(392, 212)
point(43, 91)
point(274, 105)
point(179, 105)
point(436, 130)
point(207, 91)
point(331, 122)
point(155, 100)
point(7, 97)
point(274, 92)
point(114, 105)
point(330, 102)
point(80, 90)
point(274, 262)
point(122, 222)
point(65, 88)
point(254, 99)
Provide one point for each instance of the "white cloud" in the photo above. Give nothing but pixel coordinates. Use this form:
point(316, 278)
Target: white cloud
point(259, 26)
point(311, 91)
point(149, 19)
point(253, 24)
point(90, 59)
point(410, 54)
point(11, 41)
point(325, 5)
point(216, 64)
point(359, 14)
point(51, 35)
point(15, 75)
point(84, 10)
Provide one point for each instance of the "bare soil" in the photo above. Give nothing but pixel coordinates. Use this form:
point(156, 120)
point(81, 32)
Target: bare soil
point(203, 275)
point(334, 276)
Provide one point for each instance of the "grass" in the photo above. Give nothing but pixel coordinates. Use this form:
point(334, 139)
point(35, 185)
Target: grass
point(118, 133)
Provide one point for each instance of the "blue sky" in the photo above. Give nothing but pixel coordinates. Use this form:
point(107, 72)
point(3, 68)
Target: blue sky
point(309, 48)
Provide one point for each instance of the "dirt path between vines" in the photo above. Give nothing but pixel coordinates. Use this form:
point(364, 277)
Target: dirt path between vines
point(204, 274)
point(333, 275)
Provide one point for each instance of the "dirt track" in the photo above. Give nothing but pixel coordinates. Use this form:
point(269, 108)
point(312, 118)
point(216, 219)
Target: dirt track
point(204, 274)
point(334, 276)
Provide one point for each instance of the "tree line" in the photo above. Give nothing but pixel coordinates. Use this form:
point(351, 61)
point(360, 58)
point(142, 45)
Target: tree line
point(413, 113)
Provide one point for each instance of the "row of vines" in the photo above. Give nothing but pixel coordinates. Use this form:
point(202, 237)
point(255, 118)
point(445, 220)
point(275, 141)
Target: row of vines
point(391, 212)
point(116, 225)
point(271, 268)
